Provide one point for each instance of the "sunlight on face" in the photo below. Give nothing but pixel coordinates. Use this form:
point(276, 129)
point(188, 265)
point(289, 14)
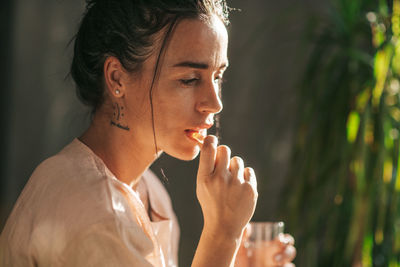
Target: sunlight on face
point(186, 94)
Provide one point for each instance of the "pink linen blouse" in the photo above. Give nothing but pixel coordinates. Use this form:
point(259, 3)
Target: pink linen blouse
point(74, 212)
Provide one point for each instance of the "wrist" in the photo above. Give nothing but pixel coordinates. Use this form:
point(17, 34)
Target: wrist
point(217, 248)
point(222, 237)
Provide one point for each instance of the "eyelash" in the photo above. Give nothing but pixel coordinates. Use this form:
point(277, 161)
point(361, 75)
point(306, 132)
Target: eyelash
point(189, 82)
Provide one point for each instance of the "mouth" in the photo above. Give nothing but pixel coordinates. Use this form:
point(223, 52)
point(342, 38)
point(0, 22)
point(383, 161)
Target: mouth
point(197, 135)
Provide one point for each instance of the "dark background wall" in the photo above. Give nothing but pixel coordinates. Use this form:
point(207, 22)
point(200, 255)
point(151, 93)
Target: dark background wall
point(40, 113)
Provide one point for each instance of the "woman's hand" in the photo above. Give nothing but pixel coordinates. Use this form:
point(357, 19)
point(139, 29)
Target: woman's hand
point(278, 252)
point(227, 191)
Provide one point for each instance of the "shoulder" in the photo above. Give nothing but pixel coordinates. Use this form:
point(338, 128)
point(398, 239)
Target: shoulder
point(108, 246)
point(67, 190)
point(73, 160)
point(70, 181)
point(70, 199)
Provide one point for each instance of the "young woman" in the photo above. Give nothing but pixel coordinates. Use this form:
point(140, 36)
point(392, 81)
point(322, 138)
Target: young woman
point(151, 70)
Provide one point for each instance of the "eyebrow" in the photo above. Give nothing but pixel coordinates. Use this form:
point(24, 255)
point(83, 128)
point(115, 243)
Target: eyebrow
point(197, 65)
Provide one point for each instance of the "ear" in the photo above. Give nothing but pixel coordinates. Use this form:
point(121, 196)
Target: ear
point(114, 74)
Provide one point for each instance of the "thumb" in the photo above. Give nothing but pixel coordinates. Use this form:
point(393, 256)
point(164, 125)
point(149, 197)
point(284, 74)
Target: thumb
point(207, 156)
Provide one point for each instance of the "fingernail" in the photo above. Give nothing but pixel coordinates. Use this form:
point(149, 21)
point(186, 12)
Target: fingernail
point(214, 142)
point(283, 239)
point(251, 170)
point(278, 258)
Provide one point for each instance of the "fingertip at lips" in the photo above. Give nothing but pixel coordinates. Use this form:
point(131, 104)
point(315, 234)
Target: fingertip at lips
point(210, 140)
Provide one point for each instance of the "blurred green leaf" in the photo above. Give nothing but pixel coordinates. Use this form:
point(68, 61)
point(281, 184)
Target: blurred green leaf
point(353, 123)
point(342, 188)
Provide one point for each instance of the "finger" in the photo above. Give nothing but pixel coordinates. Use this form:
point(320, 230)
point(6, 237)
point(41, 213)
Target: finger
point(286, 256)
point(286, 239)
point(250, 177)
point(236, 167)
point(290, 253)
point(207, 156)
point(222, 158)
point(289, 264)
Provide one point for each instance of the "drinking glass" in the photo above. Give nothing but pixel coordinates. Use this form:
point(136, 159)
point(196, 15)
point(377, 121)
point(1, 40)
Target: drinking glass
point(261, 242)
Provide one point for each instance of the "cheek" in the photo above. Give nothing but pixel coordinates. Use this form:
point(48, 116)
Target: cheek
point(173, 112)
point(137, 101)
point(176, 102)
point(139, 111)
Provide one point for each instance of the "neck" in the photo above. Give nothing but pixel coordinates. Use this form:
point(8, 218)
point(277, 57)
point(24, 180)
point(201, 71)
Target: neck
point(121, 151)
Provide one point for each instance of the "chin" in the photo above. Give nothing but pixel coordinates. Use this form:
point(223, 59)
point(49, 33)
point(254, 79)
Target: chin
point(185, 154)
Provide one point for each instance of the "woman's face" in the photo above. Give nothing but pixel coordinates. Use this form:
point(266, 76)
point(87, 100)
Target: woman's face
point(186, 92)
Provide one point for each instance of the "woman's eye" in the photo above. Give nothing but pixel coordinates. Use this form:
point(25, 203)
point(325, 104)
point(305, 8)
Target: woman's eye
point(189, 81)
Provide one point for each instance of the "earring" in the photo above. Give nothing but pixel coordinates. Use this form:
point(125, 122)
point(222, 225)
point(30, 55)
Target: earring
point(117, 91)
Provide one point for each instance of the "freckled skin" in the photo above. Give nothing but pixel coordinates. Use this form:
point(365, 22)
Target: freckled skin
point(177, 106)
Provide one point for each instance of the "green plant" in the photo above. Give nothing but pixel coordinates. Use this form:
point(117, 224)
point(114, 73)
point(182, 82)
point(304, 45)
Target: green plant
point(343, 189)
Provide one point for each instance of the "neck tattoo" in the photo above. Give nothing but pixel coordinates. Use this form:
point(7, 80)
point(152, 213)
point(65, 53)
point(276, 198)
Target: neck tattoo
point(117, 117)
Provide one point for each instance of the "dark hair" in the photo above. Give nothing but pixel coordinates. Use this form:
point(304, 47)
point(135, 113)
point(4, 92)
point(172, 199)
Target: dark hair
point(126, 29)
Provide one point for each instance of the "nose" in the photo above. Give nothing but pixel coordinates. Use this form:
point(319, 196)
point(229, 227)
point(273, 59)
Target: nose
point(210, 100)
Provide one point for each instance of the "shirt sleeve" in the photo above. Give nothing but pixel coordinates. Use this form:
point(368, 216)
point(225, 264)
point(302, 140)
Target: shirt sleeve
point(102, 245)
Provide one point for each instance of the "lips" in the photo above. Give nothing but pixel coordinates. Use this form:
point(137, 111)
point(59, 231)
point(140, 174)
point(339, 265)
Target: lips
point(197, 135)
